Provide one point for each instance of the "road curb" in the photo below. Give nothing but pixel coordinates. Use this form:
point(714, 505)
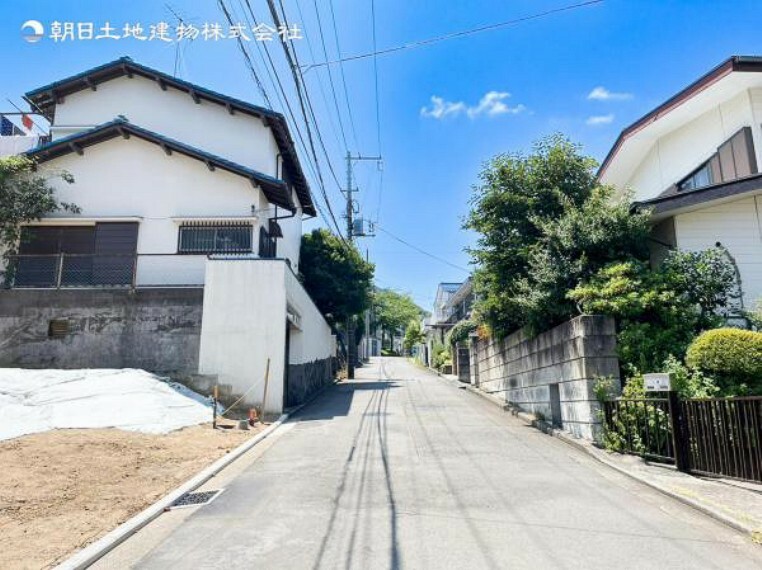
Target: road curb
point(101, 547)
point(529, 419)
point(105, 544)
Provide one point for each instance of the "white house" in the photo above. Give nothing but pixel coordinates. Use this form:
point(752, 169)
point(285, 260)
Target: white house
point(181, 186)
point(694, 160)
point(440, 321)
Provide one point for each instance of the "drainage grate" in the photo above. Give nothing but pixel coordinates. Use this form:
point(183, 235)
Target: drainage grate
point(196, 499)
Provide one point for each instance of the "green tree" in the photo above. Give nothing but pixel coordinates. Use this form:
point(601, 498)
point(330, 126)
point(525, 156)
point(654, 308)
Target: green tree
point(25, 196)
point(659, 311)
point(413, 334)
point(544, 223)
point(573, 247)
point(335, 275)
point(653, 319)
point(394, 310)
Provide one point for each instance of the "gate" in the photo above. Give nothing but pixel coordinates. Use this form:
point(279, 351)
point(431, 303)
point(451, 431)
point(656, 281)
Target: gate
point(721, 437)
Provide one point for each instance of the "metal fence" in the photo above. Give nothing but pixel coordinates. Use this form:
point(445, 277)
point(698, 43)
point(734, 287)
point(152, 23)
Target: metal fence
point(68, 270)
point(717, 436)
point(641, 427)
point(724, 437)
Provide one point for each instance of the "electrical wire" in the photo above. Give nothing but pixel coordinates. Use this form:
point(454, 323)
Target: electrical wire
point(453, 35)
point(296, 75)
point(320, 82)
point(419, 250)
point(283, 98)
point(249, 63)
point(330, 74)
point(343, 76)
point(378, 109)
point(375, 73)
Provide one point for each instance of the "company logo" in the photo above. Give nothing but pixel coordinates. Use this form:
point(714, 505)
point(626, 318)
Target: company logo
point(33, 31)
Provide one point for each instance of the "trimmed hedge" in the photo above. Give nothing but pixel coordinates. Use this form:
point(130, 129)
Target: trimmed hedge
point(732, 356)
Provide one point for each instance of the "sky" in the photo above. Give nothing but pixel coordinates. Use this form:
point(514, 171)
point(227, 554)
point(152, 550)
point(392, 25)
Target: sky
point(445, 108)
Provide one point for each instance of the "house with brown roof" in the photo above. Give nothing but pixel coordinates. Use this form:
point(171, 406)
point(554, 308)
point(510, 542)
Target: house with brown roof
point(694, 161)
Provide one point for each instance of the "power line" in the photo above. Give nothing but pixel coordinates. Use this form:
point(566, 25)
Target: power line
point(246, 56)
point(378, 107)
point(419, 250)
point(330, 75)
point(375, 73)
point(320, 81)
point(462, 33)
point(295, 73)
point(302, 84)
point(283, 98)
point(343, 76)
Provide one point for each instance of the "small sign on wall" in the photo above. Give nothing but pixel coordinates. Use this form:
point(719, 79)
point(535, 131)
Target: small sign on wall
point(661, 382)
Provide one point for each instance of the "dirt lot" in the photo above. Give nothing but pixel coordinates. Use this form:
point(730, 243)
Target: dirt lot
point(61, 490)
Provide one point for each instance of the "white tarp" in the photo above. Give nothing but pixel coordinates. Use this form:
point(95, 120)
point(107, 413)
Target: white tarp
point(33, 401)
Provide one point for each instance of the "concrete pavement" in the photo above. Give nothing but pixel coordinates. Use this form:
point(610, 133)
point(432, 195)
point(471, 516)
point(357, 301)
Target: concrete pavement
point(402, 469)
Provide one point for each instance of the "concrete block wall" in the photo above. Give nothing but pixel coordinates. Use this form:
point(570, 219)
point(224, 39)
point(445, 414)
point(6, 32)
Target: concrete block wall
point(154, 329)
point(521, 370)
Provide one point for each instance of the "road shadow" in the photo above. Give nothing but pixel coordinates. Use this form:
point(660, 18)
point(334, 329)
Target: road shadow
point(336, 401)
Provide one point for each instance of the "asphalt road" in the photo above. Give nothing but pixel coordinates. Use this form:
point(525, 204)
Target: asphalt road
point(401, 468)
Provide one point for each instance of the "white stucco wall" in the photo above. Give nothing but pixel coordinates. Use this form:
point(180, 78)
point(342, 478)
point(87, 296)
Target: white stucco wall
point(244, 324)
point(675, 155)
point(312, 339)
point(738, 226)
point(240, 137)
point(135, 179)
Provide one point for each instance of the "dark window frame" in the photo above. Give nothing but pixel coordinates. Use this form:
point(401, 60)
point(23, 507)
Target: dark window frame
point(704, 166)
point(716, 165)
point(246, 230)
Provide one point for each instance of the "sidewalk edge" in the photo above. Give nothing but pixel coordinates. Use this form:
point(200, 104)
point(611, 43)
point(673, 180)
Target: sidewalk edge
point(529, 419)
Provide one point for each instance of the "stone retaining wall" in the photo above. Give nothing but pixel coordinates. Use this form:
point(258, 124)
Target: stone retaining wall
point(154, 329)
point(304, 380)
point(551, 375)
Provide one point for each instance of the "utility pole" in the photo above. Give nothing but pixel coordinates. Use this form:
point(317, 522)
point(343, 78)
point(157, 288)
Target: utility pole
point(350, 237)
point(351, 348)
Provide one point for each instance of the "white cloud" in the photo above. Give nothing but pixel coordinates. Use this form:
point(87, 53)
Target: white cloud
point(440, 108)
point(596, 120)
point(491, 104)
point(600, 93)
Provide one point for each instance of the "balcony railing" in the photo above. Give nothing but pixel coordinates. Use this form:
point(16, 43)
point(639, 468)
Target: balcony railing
point(69, 270)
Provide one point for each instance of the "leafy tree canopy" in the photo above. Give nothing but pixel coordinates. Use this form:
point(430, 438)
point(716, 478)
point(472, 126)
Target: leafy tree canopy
point(394, 310)
point(25, 196)
point(544, 223)
point(659, 311)
point(336, 276)
point(413, 334)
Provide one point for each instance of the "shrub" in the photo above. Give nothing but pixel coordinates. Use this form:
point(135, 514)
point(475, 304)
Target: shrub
point(660, 311)
point(732, 356)
point(690, 382)
point(755, 316)
point(460, 332)
point(653, 320)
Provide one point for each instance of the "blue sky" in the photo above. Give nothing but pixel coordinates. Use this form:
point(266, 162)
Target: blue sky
point(639, 53)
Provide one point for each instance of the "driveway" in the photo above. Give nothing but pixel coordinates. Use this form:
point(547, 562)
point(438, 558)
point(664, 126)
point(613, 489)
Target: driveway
point(400, 468)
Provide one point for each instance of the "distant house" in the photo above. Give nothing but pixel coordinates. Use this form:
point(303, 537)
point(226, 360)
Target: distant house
point(453, 303)
point(694, 160)
point(181, 189)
